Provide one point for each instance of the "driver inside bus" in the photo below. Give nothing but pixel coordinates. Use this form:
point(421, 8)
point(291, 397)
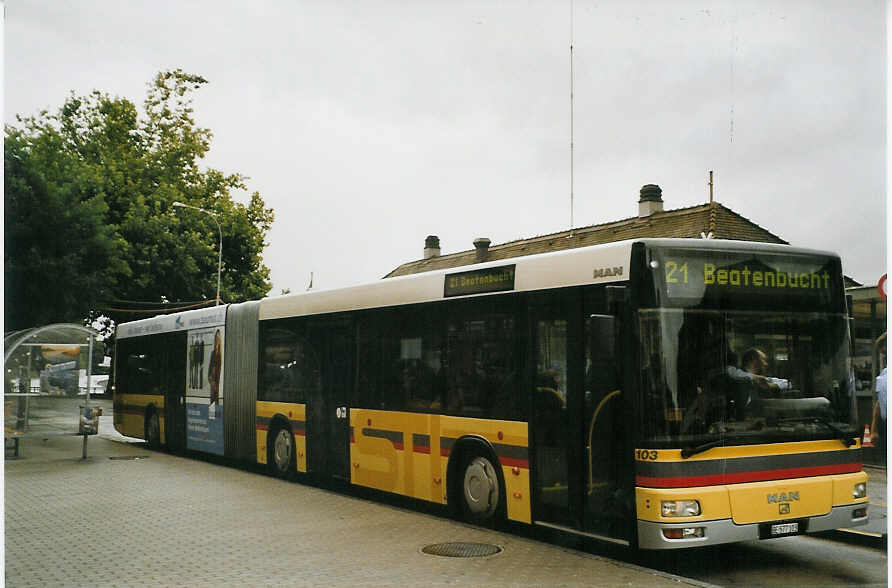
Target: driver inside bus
point(750, 383)
point(755, 364)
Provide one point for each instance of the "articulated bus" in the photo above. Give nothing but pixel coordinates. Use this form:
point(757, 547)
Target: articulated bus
point(657, 393)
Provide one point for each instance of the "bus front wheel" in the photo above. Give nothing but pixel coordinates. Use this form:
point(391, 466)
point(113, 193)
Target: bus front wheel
point(481, 489)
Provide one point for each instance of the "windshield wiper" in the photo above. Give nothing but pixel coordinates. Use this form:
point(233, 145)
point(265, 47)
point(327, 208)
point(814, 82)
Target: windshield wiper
point(692, 451)
point(840, 434)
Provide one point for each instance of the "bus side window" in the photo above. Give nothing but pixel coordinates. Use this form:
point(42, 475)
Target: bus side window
point(480, 374)
point(369, 364)
point(140, 366)
point(290, 366)
point(276, 355)
point(411, 366)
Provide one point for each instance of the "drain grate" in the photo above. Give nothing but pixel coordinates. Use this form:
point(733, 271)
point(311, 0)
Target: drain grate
point(462, 549)
point(129, 457)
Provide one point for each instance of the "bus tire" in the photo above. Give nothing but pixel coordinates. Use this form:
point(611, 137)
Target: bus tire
point(280, 452)
point(482, 491)
point(153, 429)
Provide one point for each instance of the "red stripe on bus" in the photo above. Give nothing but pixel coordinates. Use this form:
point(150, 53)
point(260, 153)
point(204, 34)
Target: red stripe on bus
point(421, 449)
point(297, 432)
point(719, 479)
point(514, 462)
point(505, 461)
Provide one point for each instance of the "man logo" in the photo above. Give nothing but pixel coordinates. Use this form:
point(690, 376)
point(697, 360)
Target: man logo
point(784, 508)
point(783, 497)
point(607, 272)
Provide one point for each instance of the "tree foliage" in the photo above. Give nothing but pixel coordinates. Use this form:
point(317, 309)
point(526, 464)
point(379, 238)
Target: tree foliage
point(89, 219)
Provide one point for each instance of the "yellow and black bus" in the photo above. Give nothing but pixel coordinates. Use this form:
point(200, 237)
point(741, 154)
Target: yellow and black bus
point(659, 393)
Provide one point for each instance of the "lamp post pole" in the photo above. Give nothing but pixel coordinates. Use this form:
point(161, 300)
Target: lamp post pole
point(213, 215)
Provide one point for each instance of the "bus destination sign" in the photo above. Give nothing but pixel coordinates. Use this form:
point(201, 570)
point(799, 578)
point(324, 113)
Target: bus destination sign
point(695, 275)
point(680, 274)
point(491, 279)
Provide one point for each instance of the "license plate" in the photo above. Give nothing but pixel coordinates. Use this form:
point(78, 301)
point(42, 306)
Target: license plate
point(784, 528)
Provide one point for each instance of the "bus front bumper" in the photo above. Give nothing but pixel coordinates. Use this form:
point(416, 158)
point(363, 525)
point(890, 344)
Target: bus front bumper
point(651, 536)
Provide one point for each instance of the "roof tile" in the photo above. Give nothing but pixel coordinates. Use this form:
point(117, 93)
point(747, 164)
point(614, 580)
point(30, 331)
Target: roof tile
point(683, 222)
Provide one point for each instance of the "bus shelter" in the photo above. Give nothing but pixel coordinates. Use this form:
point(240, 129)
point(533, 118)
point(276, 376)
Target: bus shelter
point(48, 380)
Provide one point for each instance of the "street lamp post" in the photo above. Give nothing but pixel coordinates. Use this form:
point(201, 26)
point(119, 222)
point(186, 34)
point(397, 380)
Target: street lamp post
point(219, 249)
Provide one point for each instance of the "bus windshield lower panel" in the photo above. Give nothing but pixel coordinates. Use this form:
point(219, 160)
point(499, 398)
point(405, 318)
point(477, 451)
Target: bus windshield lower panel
point(716, 377)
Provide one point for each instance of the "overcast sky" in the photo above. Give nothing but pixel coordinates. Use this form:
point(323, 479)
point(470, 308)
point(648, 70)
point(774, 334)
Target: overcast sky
point(369, 125)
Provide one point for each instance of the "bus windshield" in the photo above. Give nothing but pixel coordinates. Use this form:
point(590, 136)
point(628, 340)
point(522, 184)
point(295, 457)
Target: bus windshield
point(733, 364)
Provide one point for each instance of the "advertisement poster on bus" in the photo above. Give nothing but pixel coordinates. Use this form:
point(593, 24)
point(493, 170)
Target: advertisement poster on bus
point(204, 390)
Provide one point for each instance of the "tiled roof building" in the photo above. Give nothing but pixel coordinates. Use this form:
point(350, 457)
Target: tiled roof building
point(652, 221)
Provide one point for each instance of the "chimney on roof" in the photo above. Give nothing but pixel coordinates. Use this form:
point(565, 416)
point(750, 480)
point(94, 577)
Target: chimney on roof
point(431, 246)
point(651, 200)
point(481, 244)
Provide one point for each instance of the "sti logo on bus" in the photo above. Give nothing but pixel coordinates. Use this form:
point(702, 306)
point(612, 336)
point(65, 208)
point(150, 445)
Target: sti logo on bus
point(607, 272)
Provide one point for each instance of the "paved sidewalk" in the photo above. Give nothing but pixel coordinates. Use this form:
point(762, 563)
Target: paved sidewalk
point(130, 517)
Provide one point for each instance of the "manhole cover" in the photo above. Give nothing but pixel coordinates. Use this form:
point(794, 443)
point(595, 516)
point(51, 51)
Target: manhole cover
point(462, 549)
point(129, 457)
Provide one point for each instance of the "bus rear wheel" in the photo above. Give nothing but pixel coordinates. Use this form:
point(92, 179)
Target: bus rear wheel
point(281, 452)
point(481, 489)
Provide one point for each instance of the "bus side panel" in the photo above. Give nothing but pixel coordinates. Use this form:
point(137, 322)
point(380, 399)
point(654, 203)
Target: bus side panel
point(132, 408)
point(296, 415)
point(408, 454)
point(396, 452)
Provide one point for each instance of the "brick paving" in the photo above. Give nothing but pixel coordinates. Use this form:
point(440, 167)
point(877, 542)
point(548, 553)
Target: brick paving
point(165, 520)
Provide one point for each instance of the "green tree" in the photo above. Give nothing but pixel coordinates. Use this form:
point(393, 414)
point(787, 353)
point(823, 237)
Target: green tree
point(89, 193)
point(55, 236)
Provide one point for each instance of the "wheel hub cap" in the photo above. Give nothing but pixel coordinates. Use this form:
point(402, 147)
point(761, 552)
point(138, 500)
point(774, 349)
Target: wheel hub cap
point(481, 487)
point(283, 449)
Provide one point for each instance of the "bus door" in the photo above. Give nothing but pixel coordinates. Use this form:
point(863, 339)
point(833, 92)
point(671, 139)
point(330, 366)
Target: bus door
point(173, 382)
point(574, 455)
point(328, 426)
point(606, 504)
point(555, 424)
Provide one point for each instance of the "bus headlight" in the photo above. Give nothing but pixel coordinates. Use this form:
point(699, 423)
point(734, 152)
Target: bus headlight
point(860, 490)
point(680, 508)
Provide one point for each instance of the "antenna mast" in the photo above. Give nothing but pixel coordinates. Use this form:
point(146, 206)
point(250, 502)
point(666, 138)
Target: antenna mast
point(571, 117)
point(710, 186)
